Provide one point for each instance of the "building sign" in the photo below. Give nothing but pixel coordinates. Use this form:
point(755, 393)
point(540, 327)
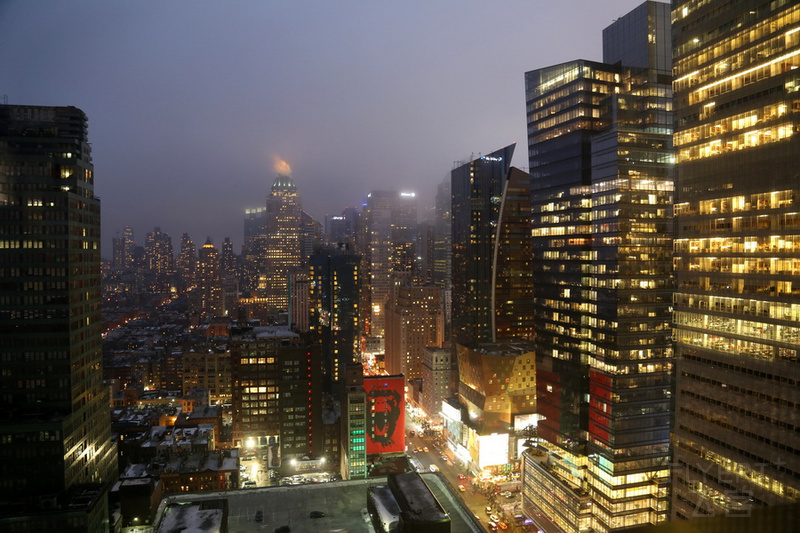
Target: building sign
point(385, 414)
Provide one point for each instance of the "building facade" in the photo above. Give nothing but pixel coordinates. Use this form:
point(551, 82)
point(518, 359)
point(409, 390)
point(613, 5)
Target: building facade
point(277, 392)
point(737, 302)
point(414, 320)
point(437, 380)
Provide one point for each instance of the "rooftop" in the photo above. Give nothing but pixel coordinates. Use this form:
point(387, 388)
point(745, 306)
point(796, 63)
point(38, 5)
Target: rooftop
point(343, 502)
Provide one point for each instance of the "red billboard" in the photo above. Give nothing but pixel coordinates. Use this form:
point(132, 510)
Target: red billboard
point(386, 414)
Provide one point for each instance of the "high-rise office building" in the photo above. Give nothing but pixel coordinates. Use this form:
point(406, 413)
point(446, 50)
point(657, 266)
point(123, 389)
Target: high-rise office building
point(55, 434)
point(311, 236)
point(599, 147)
point(737, 250)
point(437, 380)
point(343, 227)
point(283, 242)
point(491, 271)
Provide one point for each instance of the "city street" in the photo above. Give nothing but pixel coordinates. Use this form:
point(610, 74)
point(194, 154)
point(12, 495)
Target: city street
point(457, 476)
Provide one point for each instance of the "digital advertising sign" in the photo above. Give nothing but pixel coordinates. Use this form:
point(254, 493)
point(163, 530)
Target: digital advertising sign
point(386, 412)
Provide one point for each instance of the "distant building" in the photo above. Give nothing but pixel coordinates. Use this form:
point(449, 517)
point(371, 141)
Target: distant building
point(252, 247)
point(208, 298)
point(299, 300)
point(187, 261)
point(283, 242)
point(390, 221)
point(159, 259)
point(208, 369)
point(414, 320)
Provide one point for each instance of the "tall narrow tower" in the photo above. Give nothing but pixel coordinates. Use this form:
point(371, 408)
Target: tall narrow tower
point(55, 434)
point(599, 146)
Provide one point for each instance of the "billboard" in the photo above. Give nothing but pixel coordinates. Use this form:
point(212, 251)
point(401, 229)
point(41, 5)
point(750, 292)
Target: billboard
point(386, 412)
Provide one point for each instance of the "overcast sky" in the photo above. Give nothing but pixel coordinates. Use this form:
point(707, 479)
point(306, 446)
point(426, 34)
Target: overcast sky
point(191, 102)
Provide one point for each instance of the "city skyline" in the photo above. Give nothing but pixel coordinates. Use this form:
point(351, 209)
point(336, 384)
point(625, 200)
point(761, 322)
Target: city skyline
point(194, 108)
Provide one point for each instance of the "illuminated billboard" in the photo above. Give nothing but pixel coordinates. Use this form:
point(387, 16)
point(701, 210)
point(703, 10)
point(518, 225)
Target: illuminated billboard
point(386, 411)
point(492, 450)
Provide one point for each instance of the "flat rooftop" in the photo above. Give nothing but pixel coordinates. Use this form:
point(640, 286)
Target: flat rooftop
point(343, 502)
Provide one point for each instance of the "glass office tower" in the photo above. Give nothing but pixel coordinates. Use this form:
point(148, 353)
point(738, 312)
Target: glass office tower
point(737, 256)
point(491, 275)
point(599, 141)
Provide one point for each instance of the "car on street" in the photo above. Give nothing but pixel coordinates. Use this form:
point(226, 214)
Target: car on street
point(502, 525)
point(462, 488)
point(495, 518)
point(492, 526)
point(488, 510)
point(425, 449)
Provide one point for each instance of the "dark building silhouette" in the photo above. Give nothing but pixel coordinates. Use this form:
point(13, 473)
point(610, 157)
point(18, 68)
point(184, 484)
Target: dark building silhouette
point(334, 282)
point(491, 274)
point(55, 442)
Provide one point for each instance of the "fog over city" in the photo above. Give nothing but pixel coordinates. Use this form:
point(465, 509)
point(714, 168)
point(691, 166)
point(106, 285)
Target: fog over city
point(190, 103)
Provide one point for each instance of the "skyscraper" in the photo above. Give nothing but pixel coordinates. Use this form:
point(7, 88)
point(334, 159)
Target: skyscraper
point(737, 303)
point(160, 259)
point(600, 151)
point(491, 274)
point(55, 439)
point(208, 299)
point(187, 261)
point(390, 220)
point(283, 241)
point(334, 282)
point(227, 259)
point(252, 247)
